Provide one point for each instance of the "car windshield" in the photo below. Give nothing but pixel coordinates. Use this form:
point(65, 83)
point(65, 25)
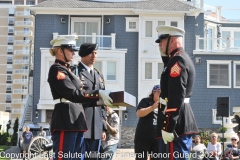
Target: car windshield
point(35, 131)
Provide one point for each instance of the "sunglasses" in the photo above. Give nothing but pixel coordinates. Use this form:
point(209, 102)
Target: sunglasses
point(213, 136)
point(233, 139)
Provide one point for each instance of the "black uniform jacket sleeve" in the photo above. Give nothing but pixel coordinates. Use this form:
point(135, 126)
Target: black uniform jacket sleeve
point(177, 82)
point(65, 84)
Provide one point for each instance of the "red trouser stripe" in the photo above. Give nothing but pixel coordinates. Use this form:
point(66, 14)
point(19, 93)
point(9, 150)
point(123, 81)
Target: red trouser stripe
point(61, 140)
point(171, 151)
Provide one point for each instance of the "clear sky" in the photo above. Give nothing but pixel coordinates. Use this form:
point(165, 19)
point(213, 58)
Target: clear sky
point(227, 4)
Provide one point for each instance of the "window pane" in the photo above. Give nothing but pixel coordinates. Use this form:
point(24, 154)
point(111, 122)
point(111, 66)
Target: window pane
point(11, 11)
point(160, 69)
point(132, 25)
point(10, 48)
point(148, 29)
point(237, 41)
point(9, 59)
point(98, 65)
point(9, 78)
point(209, 41)
point(111, 70)
point(237, 75)
point(219, 75)
point(148, 70)
point(10, 39)
point(10, 29)
point(225, 35)
point(161, 23)
point(174, 24)
point(10, 20)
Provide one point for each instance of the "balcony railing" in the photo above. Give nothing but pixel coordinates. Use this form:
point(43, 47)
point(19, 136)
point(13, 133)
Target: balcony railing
point(23, 33)
point(20, 71)
point(20, 81)
point(17, 111)
point(18, 101)
point(21, 61)
point(195, 3)
point(23, 23)
point(21, 52)
point(22, 13)
point(22, 42)
point(104, 41)
point(20, 91)
point(217, 44)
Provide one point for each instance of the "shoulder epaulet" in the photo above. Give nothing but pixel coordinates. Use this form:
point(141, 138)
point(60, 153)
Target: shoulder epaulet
point(99, 73)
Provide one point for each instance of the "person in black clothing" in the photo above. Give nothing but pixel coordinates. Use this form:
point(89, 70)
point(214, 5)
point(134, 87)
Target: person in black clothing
point(68, 119)
point(145, 142)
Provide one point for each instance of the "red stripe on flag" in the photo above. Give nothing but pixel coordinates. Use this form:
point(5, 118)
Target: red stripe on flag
point(61, 140)
point(171, 150)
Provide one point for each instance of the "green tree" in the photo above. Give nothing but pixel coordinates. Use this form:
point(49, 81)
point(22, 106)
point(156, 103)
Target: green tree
point(8, 126)
point(15, 132)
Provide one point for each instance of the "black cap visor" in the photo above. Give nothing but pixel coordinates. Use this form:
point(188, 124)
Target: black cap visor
point(161, 37)
point(70, 46)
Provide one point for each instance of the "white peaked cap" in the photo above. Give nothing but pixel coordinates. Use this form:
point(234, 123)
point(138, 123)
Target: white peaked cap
point(61, 40)
point(173, 31)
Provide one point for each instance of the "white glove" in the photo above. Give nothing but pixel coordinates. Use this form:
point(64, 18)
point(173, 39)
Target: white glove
point(104, 94)
point(167, 137)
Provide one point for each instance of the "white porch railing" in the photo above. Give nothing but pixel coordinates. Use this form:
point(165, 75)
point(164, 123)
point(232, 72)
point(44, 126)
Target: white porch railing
point(16, 111)
point(21, 52)
point(18, 101)
point(23, 23)
point(20, 91)
point(104, 41)
point(20, 81)
point(22, 42)
point(21, 71)
point(195, 3)
point(22, 13)
point(217, 44)
point(21, 61)
point(23, 33)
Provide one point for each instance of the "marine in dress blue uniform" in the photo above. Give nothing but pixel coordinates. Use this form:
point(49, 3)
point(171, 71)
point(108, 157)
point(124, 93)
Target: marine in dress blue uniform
point(91, 79)
point(68, 121)
point(175, 116)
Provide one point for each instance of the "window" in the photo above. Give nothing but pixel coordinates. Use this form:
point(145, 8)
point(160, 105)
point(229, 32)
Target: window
point(10, 30)
point(236, 39)
point(30, 3)
point(19, 2)
point(161, 23)
point(9, 68)
point(11, 11)
point(148, 70)
point(111, 70)
point(7, 107)
point(10, 49)
point(148, 29)
point(10, 39)
point(98, 66)
point(86, 26)
point(175, 24)
point(236, 74)
point(230, 37)
point(9, 78)
point(218, 74)
point(10, 20)
point(8, 89)
point(225, 35)
point(215, 119)
point(8, 98)
point(160, 69)
point(131, 24)
point(9, 59)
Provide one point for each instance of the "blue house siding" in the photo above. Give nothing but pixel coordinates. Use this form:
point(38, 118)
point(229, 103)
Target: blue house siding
point(44, 27)
point(204, 99)
point(127, 40)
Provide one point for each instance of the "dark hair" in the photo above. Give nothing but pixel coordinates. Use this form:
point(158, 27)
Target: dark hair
point(151, 95)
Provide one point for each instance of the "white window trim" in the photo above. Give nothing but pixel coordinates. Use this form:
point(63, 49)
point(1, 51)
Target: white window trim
point(104, 68)
point(234, 73)
point(132, 19)
point(214, 117)
point(231, 30)
point(154, 69)
point(85, 19)
point(219, 62)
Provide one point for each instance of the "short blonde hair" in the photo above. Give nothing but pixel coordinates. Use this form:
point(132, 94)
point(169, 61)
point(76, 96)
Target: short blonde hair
point(214, 134)
point(53, 51)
